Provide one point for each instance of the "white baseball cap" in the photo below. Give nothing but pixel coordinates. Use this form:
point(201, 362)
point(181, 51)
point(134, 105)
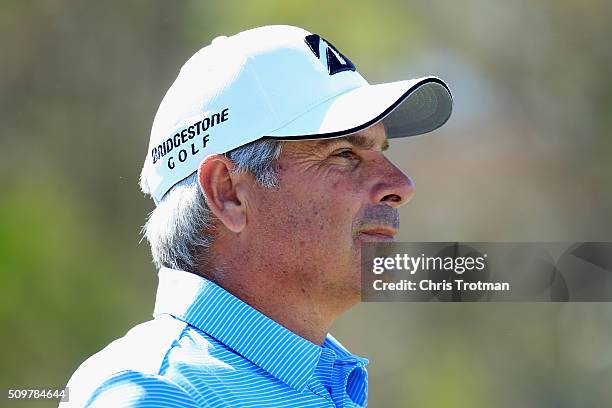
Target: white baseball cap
point(281, 82)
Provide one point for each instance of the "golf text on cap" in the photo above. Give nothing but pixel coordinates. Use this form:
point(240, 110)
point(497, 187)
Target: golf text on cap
point(188, 133)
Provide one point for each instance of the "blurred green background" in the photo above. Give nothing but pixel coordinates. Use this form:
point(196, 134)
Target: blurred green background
point(525, 157)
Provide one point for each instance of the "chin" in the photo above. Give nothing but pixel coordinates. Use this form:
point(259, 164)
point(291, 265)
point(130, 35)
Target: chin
point(346, 286)
point(353, 286)
point(355, 295)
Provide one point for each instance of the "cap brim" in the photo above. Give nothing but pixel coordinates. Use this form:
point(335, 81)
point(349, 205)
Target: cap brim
point(406, 108)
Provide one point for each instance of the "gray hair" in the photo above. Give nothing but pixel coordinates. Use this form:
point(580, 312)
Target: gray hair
point(179, 228)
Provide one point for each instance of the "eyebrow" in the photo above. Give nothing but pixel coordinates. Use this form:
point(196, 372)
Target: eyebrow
point(356, 140)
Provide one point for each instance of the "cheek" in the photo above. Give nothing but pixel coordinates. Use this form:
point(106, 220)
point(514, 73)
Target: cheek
point(326, 216)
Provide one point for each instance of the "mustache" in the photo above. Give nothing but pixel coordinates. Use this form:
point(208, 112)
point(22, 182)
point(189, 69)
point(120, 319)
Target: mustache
point(381, 214)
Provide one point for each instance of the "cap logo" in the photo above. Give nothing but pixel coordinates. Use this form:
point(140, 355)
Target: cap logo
point(335, 60)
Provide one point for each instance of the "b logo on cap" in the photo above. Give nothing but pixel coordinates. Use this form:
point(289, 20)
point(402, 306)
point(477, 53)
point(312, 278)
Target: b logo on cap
point(336, 62)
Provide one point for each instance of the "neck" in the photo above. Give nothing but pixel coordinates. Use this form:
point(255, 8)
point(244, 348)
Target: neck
point(289, 304)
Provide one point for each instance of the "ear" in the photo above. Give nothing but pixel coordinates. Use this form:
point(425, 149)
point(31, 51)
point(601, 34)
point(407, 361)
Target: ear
point(224, 191)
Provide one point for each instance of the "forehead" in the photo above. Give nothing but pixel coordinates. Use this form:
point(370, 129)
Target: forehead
point(372, 138)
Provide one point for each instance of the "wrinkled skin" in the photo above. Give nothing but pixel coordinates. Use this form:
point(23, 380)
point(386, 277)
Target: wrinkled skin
point(293, 252)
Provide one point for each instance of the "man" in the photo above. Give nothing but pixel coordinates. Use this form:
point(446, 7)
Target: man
point(266, 164)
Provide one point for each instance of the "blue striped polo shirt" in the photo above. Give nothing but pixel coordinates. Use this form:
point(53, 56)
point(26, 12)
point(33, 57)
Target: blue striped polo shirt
point(207, 348)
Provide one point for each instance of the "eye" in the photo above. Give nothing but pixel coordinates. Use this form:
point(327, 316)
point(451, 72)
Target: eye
point(346, 154)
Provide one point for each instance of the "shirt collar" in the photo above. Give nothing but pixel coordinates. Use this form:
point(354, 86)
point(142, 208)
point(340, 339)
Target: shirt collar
point(210, 308)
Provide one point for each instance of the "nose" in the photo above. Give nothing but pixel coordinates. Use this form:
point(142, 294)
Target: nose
point(394, 187)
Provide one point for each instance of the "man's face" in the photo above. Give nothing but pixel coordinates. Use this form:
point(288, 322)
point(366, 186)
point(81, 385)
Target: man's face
point(333, 195)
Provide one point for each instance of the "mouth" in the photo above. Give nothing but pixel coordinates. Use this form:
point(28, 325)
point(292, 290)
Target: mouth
point(378, 233)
